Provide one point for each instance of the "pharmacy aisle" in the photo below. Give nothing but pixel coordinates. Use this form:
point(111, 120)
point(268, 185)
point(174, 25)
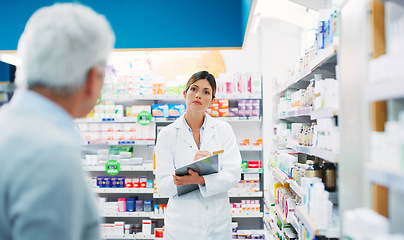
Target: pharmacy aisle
point(120, 134)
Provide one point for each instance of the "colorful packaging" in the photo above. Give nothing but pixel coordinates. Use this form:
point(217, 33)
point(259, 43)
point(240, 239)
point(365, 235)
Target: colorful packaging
point(136, 182)
point(149, 184)
point(254, 164)
point(147, 205)
point(176, 110)
point(139, 205)
point(143, 182)
point(160, 110)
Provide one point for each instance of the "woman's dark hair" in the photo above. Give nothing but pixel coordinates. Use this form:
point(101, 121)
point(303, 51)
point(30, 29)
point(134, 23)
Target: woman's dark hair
point(203, 75)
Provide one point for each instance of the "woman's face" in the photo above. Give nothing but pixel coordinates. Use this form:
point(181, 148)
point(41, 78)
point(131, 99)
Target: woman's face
point(199, 96)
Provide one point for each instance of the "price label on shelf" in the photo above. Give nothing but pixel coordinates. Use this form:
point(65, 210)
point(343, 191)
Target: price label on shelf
point(112, 167)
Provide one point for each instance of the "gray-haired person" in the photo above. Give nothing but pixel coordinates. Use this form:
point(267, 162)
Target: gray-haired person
point(44, 193)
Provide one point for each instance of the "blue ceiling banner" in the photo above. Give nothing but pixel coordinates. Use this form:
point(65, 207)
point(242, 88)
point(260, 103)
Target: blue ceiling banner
point(151, 24)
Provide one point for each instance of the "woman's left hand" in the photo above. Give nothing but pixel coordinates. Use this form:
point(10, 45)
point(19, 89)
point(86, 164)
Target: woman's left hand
point(192, 178)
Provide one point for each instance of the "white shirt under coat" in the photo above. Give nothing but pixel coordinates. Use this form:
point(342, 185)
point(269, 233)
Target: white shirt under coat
point(203, 214)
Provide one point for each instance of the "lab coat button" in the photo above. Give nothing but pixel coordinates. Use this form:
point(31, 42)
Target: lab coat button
point(206, 207)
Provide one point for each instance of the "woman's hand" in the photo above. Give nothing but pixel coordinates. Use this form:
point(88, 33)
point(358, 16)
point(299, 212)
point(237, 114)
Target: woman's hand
point(192, 178)
point(202, 154)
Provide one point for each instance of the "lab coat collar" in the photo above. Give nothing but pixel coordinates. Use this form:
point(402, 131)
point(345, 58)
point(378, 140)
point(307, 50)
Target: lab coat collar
point(185, 134)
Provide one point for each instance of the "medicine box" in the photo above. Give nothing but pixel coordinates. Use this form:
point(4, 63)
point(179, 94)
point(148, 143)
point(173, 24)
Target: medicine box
point(160, 110)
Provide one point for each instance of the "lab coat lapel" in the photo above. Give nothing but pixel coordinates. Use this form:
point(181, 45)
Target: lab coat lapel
point(184, 133)
point(208, 133)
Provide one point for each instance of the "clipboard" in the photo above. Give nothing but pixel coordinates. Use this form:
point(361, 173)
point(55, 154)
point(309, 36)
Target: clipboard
point(204, 166)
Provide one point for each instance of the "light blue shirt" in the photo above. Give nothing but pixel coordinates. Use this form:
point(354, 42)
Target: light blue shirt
point(202, 129)
point(44, 193)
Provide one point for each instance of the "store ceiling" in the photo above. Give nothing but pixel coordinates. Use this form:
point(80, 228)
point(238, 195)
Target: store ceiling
point(156, 24)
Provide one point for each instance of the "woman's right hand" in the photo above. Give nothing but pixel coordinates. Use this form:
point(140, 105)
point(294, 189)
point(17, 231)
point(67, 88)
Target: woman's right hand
point(201, 154)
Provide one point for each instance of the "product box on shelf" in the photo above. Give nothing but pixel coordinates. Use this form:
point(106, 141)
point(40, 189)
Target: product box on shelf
point(176, 110)
point(160, 110)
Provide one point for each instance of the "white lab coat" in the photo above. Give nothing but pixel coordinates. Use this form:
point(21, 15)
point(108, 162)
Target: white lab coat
point(205, 213)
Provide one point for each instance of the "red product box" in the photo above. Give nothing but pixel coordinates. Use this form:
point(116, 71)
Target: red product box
point(254, 164)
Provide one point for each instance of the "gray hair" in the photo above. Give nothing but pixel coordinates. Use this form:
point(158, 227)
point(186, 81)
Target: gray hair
point(60, 44)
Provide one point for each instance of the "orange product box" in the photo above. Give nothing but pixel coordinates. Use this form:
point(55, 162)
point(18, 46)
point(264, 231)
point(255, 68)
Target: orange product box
point(215, 105)
point(223, 103)
point(224, 112)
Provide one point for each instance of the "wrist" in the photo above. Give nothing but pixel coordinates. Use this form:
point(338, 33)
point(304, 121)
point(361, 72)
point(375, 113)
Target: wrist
point(202, 181)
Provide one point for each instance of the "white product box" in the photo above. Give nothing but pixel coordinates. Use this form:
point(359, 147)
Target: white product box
point(146, 226)
point(119, 228)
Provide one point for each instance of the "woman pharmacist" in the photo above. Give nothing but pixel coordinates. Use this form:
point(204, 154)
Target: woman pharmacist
point(204, 213)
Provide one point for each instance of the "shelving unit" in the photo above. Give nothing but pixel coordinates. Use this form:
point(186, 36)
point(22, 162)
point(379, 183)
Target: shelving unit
point(316, 152)
point(129, 214)
point(281, 215)
point(122, 168)
point(391, 178)
point(124, 190)
point(280, 176)
point(323, 113)
point(176, 97)
point(324, 64)
point(120, 142)
point(245, 194)
point(129, 236)
point(234, 215)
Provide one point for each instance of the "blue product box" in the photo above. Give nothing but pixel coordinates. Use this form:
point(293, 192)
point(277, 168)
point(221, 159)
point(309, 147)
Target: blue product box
point(106, 182)
point(117, 182)
point(147, 205)
point(113, 181)
point(99, 181)
point(176, 110)
point(149, 184)
point(160, 110)
point(120, 182)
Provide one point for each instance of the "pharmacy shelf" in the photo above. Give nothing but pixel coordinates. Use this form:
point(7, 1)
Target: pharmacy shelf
point(302, 216)
point(245, 194)
point(385, 74)
point(157, 195)
point(306, 220)
point(297, 115)
point(251, 170)
point(324, 64)
point(234, 215)
point(316, 152)
point(106, 120)
point(157, 216)
point(226, 119)
point(281, 215)
point(385, 91)
point(122, 168)
point(388, 177)
point(280, 176)
point(248, 215)
point(123, 190)
point(314, 4)
point(324, 154)
point(129, 236)
point(129, 214)
point(116, 98)
point(324, 113)
point(250, 148)
point(120, 142)
point(304, 149)
point(295, 187)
